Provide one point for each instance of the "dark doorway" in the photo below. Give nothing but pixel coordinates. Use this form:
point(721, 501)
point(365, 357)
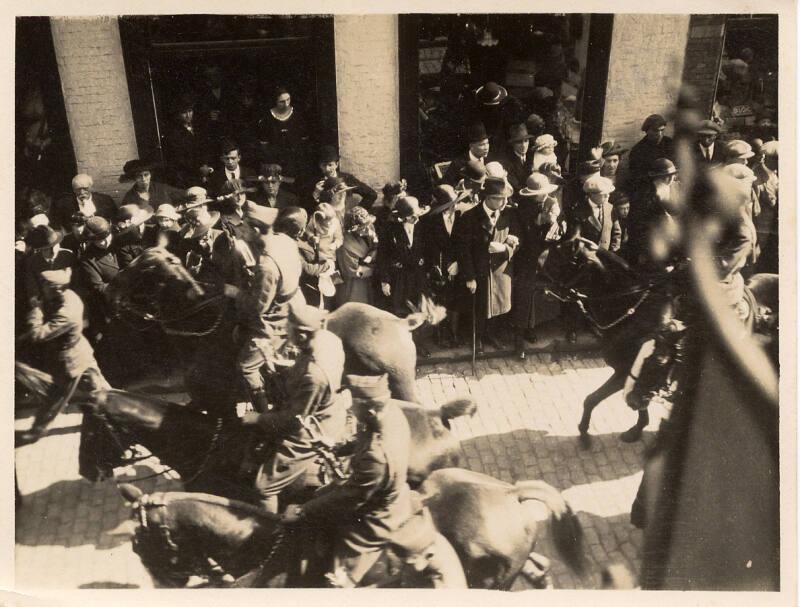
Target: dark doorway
point(166, 56)
point(45, 159)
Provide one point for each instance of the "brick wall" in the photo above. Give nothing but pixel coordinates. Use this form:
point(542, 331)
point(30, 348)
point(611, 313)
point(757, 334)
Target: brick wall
point(89, 55)
point(644, 72)
point(367, 80)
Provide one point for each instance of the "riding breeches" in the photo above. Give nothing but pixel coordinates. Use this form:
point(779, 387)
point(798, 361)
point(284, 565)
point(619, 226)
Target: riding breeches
point(63, 389)
point(254, 355)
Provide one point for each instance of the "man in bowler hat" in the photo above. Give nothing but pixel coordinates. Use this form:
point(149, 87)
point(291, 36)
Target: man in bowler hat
point(478, 151)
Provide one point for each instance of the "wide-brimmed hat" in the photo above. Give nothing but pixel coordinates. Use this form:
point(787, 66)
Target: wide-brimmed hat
point(709, 127)
point(662, 167)
point(653, 121)
point(612, 148)
point(544, 141)
point(537, 184)
point(271, 172)
point(589, 167)
point(491, 93)
point(368, 387)
point(445, 197)
point(619, 198)
point(495, 186)
point(333, 185)
point(496, 169)
point(134, 213)
point(96, 228)
point(234, 186)
point(206, 220)
point(408, 206)
point(552, 170)
point(167, 211)
point(356, 218)
point(474, 170)
point(261, 217)
point(328, 153)
point(196, 194)
point(518, 133)
point(56, 278)
point(134, 167)
point(598, 185)
point(476, 132)
point(43, 237)
point(738, 149)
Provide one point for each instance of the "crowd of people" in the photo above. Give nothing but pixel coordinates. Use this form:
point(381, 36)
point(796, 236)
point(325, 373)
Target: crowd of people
point(472, 247)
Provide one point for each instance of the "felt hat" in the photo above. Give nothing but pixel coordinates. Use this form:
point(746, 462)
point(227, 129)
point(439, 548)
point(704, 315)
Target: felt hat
point(476, 132)
point(291, 221)
point(96, 228)
point(598, 185)
point(738, 149)
point(709, 127)
point(408, 206)
point(134, 213)
point(394, 188)
point(589, 167)
point(535, 123)
point(43, 237)
point(662, 167)
point(167, 211)
point(303, 316)
point(328, 153)
point(445, 197)
point(491, 93)
point(356, 218)
point(271, 172)
point(134, 167)
point(233, 186)
point(537, 184)
point(204, 219)
point(373, 388)
point(653, 121)
point(56, 278)
point(553, 172)
point(544, 141)
point(196, 194)
point(619, 198)
point(475, 171)
point(261, 217)
point(496, 186)
point(612, 148)
point(518, 133)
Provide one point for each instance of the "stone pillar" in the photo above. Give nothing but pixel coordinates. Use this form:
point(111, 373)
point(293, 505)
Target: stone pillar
point(644, 72)
point(367, 78)
point(90, 63)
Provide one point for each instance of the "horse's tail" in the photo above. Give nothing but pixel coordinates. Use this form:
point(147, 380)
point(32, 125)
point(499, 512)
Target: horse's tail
point(426, 311)
point(32, 379)
point(457, 408)
point(565, 526)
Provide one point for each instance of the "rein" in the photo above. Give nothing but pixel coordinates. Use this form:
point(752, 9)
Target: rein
point(164, 322)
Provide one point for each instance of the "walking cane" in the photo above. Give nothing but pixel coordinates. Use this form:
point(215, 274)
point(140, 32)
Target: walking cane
point(474, 316)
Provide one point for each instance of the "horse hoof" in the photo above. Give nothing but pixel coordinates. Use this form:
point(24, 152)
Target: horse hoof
point(631, 435)
point(585, 440)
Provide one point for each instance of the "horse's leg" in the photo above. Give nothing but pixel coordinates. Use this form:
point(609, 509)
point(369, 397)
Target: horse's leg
point(612, 385)
point(634, 433)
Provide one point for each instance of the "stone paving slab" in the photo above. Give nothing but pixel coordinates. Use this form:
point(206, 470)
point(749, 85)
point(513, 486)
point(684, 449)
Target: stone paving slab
point(525, 428)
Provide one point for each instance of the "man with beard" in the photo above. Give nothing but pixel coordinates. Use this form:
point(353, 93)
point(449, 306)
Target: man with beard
point(83, 200)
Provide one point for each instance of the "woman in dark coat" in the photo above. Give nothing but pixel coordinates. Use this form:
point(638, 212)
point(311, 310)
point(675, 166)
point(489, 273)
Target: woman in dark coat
point(440, 228)
point(538, 218)
point(283, 136)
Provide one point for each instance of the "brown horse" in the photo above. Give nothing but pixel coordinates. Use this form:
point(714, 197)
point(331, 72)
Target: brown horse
point(489, 523)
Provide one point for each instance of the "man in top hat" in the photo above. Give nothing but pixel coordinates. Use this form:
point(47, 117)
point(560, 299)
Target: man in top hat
point(46, 254)
point(129, 233)
point(97, 267)
point(539, 220)
point(56, 321)
point(270, 193)
point(612, 152)
point(486, 241)
point(262, 303)
point(401, 256)
point(518, 161)
point(229, 167)
point(373, 508)
point(440, 231)
point(478, 140)
point(83, 200)
point(329, 168)
point(312, 389)
point(186, 147)
point(706, 151)
point(654, 145)
point(145, 192)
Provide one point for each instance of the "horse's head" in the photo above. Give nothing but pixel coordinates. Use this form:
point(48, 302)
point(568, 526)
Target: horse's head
point(155, 281)
point(183, 534)
point(576, 263)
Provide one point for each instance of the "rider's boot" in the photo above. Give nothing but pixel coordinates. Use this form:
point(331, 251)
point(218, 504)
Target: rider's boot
point(634, 433)
point(259, 400)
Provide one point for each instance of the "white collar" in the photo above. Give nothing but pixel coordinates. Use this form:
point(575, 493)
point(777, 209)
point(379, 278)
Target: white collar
point(489, 211)
point(284, 118)
point(474, 157)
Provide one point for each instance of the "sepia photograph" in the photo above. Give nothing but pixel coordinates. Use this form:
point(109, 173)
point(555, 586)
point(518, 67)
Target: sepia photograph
point(412, 299)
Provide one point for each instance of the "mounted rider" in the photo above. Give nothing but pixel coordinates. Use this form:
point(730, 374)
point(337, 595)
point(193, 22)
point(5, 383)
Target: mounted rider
point(312, 388)
point(262, 305)
point(56, 321)
point(373, 509)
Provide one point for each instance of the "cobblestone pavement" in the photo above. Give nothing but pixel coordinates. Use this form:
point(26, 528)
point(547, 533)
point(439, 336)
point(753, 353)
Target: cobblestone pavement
point(524, 429)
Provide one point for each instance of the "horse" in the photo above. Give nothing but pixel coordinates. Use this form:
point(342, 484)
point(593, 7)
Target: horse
point(156, 288)
point(490, 524)
point(208, 453)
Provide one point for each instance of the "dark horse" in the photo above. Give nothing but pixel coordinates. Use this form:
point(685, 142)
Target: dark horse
point(208, 454)
point(490, 524)
point(624, 305)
